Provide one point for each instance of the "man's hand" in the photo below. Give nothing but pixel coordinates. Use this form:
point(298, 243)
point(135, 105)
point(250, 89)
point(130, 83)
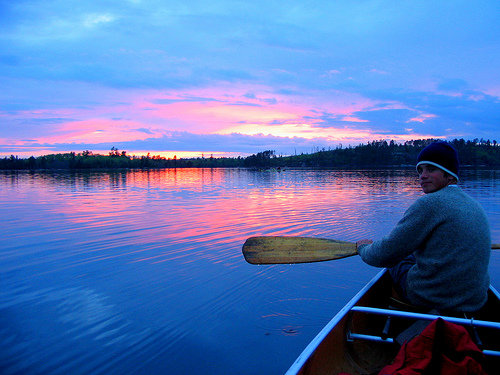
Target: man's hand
point(363, 242)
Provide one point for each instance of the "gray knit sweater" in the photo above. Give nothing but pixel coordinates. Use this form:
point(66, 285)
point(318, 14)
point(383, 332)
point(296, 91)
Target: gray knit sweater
point(449, 234)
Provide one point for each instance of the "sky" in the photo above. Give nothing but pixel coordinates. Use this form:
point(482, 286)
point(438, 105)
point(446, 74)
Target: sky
point(229, 77)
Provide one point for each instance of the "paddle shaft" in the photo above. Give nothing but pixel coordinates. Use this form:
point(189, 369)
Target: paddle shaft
point(286, 249)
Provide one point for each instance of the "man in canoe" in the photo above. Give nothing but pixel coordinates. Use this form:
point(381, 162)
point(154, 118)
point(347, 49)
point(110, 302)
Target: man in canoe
point(438, 253)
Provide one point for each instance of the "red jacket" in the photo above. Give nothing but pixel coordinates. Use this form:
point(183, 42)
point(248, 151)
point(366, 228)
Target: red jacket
point(442, 348)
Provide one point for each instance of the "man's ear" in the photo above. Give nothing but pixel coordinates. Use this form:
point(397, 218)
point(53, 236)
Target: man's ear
point(451, 178)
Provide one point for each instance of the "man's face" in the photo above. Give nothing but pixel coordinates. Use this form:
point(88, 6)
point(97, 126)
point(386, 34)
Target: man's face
point(432, 178)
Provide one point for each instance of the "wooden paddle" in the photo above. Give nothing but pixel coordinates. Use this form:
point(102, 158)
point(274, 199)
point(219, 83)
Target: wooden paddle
point(284, 249)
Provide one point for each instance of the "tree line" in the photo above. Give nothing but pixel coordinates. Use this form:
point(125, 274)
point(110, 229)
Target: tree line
point(376, 154)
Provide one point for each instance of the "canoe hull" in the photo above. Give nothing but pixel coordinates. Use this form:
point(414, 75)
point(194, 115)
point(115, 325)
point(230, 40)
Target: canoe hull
point(331, 352)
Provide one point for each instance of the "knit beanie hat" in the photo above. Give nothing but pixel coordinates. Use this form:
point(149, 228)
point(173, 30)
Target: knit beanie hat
point(442, 155)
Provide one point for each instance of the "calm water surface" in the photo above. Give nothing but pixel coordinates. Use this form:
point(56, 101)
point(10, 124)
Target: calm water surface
point(141, 272)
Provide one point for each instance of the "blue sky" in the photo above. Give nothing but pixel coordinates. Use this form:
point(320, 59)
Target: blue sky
point(240, 77)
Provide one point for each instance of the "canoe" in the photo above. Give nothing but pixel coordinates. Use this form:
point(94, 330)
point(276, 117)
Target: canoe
point(361, 338)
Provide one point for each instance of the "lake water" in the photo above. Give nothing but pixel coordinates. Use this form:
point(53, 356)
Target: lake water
point(141, 272)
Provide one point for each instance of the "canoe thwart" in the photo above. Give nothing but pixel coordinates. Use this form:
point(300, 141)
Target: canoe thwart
point(430, 317)
point(384, 337)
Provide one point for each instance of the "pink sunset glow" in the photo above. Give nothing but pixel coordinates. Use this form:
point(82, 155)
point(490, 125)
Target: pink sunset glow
point(145, 115)
point(312, 77)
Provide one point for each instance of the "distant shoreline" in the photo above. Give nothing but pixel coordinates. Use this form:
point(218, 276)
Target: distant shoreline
point(333, 168)
point(476, 154)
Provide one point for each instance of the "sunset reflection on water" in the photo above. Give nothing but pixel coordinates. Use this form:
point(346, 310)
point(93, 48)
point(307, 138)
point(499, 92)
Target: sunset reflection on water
point(142, 272)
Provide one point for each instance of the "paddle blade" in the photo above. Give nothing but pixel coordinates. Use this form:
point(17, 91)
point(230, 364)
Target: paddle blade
point(279, 250)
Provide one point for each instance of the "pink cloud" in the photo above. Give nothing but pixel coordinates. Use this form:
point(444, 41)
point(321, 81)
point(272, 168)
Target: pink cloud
point(226, 110)
point(422, 118)
point(353, 119)
point(130, 115)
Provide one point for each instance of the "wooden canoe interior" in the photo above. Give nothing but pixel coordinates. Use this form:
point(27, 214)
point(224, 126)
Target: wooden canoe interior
point(335, 354)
